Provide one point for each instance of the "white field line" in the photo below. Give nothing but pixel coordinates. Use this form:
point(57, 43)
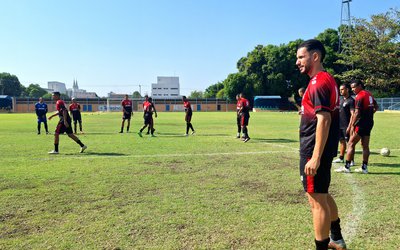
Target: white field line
point(353, 220)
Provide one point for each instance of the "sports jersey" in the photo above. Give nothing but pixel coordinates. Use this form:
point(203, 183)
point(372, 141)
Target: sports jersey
point(364, 102)
point(186, 105)
point(75, 108)
point(322, 94)
point(245, 105)
point(41, 109)
point(238, 105)
point(148, 107)
point(60, 106)
point(127, 104)
point(346, 106)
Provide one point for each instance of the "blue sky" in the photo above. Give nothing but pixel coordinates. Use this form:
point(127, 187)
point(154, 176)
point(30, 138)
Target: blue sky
point(118, 45)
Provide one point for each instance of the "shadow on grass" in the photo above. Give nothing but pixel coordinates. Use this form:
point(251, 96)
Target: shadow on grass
point(386, 165)
point(167, 134)
point(383, 173)
point(274, 140)
point(104, 154)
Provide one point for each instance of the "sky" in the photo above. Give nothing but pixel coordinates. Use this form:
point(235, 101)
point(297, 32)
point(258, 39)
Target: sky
point(123, 45)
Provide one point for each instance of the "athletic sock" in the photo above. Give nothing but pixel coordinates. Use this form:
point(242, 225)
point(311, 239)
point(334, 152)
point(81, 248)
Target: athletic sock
point(336, 231)
point(127, 129)
point(80, 143)
point(347, 164)
point(38, 128)
point(341, 157)
point(322, 245)
point(364, 165)
point(191, 126)
point(56, 147)
point(45, 127)
point(187, 128)
point(122, 129)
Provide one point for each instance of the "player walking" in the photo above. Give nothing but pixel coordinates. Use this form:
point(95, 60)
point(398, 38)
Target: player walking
point(148, 109)
point(345, 112)
point(75, 109)
point(360, 126)
point(319, 138)
point(244, 112)
point(41, 111)
point(238, 118)
point(188, 115)
point(126, 113)
point(64, 125)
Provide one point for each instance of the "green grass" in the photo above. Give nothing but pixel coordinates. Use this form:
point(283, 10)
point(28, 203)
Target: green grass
point(174, 192)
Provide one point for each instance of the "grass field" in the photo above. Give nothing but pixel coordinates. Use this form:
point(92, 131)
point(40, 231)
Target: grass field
point(207, 191)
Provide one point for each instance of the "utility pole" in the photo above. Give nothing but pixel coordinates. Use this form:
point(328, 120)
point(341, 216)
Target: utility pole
point(345, 30)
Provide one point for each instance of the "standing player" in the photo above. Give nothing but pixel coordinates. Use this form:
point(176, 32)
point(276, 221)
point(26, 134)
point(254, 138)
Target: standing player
point(146, 99)
point(238, 120)
point(188, 115)
point(360, 126)
point(41, 111)
point(148, 109)
point(345, 112)
point(64, 125)
point(75, 109)
point(244, 112)
point(319, 137)
point(126, 113)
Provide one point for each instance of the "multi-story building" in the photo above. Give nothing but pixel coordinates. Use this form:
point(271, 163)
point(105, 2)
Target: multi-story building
point(165, 88)
point(57, 86)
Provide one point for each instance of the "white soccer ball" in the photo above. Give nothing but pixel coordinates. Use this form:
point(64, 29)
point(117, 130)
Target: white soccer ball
point(385, 152)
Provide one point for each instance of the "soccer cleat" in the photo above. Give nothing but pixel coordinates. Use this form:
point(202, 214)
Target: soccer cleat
point(237, 137)
point(185, 135)
point(361, 170)
point(342, 169)
point(246, 139)
point(338, 160)
point(140, 134)
point(83, 149)
point(352, 164)
point(53, 152)
point(337, 244)
point(193, 132)
point(47, 133)
point(121, 132)
point(153, 135)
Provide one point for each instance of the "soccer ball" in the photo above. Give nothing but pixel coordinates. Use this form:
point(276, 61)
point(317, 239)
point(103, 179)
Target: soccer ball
point(385, 152)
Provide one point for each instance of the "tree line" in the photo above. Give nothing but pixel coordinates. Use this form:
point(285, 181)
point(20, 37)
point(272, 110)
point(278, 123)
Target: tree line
point(374, 57)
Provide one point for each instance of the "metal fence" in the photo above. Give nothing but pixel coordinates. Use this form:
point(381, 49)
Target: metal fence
point(392, 103)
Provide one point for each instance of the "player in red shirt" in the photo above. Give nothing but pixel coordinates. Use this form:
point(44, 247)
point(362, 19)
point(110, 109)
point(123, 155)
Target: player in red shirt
point(319, 137)
point(188, 115)
point(148, 109)
point(75, 109)
point(361, 124)
point(238, 120)
point(126, 113)
point(64, 125)
point(244, 112)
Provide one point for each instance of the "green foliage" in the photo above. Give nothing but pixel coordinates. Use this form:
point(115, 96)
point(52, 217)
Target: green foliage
point(211, 91)
point(136, 94)
point(196, 94)
point(10, 85)
point(34, 90)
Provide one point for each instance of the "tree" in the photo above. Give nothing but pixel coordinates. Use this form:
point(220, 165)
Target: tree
point(196, 94)
point(10, 85)
point(136, 94)
point(34, 90)
point(375, 53)
point(211, 91)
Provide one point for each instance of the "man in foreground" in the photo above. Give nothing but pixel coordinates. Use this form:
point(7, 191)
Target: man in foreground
point(64, 125)
point(319, 132)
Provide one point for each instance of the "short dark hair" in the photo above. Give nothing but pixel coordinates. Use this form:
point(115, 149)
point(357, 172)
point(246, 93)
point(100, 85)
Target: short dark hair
point(346, 85)
point(314, 45)
point(183, 97)
point(56, 93)
point(150, 99)
point(358, 82)
point(302, 89)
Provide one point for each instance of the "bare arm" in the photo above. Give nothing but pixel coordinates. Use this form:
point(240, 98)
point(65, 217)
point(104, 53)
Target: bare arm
point(321, 136)
point(55, 114)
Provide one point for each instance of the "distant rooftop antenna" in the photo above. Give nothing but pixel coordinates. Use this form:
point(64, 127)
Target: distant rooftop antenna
point(345, 29)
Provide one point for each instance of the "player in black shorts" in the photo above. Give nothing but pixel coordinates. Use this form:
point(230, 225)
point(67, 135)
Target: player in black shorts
point(75, 109)
point(148, 110)
point(319, 137)
point(126, 113)
point(345, 112)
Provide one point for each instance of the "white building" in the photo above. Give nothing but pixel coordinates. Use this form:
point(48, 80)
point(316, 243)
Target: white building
point(57, 87)
point(79, 93)
point(166, 87)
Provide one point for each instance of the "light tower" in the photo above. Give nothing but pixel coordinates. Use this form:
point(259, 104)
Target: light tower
point(345, 29)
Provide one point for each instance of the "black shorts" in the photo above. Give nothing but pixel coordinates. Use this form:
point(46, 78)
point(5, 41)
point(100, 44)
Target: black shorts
point(77, 117)
point(343, 135)
point(363, 131)
point(244, 119)
point(188, 117)
point(61, 129)
point(321, 181)
point(126, 116)
point(148, 119)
